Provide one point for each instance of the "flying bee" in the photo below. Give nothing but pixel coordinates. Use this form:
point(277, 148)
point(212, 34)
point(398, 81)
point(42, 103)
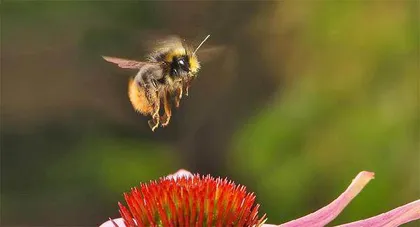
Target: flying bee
point(164, 77)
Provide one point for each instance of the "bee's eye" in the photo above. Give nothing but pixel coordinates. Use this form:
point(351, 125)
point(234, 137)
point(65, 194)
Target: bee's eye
point(181, 62)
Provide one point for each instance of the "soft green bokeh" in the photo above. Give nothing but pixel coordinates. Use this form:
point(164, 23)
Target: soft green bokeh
point(114, 164)
point(353, 106)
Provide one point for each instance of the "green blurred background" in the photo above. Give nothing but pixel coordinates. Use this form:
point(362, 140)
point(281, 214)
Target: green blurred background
point(304, 96)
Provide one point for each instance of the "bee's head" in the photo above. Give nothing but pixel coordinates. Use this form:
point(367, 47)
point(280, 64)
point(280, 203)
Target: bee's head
point(183, 63)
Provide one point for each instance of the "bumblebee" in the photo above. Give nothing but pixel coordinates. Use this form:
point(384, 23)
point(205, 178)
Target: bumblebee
point(163, 77)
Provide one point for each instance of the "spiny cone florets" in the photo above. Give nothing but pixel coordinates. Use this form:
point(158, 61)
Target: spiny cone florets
point(190, 201)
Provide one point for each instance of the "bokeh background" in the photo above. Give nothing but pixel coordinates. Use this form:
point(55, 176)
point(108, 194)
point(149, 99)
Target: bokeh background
point(304, 95)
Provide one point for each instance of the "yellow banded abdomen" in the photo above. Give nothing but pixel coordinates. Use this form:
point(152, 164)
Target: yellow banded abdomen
point(138, 98)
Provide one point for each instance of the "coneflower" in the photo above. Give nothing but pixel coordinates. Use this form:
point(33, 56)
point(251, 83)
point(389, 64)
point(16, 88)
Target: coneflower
point(190, 201)
point(184, 199)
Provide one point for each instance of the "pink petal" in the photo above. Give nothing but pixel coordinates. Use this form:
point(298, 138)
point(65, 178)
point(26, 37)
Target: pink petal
point(395, 217)
point(180, 173)
point(112, 222)
point(328, 213)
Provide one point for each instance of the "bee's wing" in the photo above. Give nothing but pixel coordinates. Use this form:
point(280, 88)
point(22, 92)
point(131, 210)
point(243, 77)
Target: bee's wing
point(167, 42)
point(125, 63)
point(163, 45)
point(209, 53)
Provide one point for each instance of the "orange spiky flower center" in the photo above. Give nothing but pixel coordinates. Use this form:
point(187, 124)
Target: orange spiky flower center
point(190, 201)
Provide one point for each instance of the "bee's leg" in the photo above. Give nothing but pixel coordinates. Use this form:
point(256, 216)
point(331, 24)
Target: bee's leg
point(148, 77)
point(151, 91)
point(178, 97)
point(156, 108)
point(180, 93)
point(168, 112)
point(152, 96)
point(154, 122)
point(187, 87)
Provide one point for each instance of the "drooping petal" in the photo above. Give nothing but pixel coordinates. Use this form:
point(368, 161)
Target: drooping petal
point(395, 217)
point(328, 213)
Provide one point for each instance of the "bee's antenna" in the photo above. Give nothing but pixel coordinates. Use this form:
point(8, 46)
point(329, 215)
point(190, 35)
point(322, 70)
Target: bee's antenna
point(201, 43)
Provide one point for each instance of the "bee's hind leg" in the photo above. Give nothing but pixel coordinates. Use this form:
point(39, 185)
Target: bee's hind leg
point(153, 124)
point(155, 100)
point(168, 112)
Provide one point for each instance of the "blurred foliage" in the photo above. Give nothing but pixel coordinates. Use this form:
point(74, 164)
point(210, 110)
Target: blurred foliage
point(350, 104)
point(306, 95)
